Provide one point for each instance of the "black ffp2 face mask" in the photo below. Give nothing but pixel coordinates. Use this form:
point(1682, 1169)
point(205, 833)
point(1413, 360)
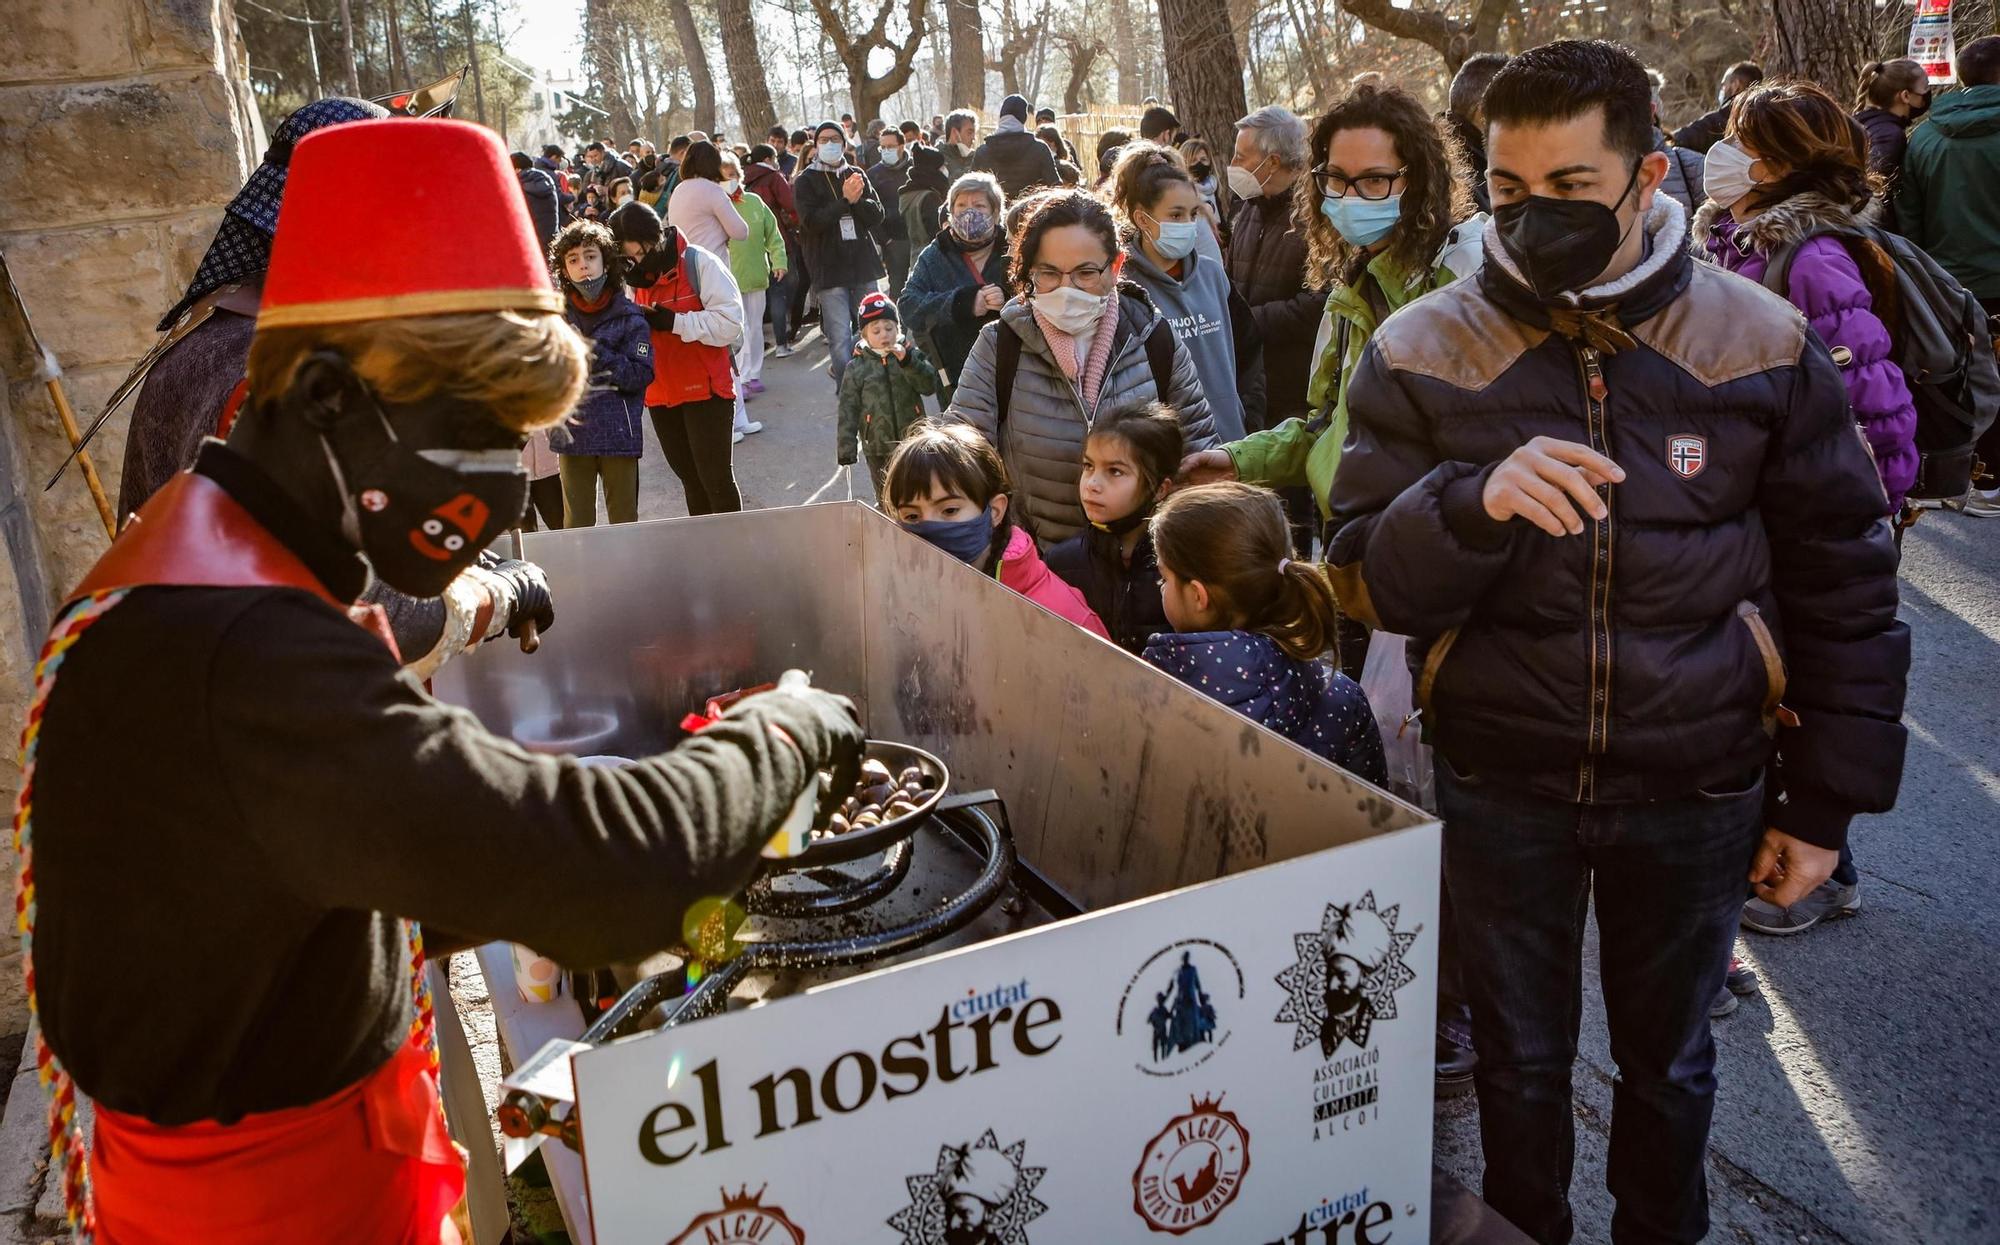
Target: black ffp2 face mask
point(421, 516)
point(1560, 245)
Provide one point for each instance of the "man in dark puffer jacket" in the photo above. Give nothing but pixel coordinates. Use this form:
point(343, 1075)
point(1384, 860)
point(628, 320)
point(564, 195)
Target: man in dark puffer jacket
point(1615, 521)
point(1014, 155)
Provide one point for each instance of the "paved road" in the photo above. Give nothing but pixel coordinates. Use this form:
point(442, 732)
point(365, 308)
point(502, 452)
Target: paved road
point(1858, 1099)
point(784, 465)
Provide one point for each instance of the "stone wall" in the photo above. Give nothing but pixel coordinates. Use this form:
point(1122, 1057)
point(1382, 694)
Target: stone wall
point(125, 125)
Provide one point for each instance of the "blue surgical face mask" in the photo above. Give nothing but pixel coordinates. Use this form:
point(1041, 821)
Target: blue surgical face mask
point(831, 154)
point(1177, 238)
point(964, 539)
point(1363, 222)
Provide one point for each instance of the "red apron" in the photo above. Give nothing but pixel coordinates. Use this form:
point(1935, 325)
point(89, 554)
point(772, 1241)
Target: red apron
point(371, 1165)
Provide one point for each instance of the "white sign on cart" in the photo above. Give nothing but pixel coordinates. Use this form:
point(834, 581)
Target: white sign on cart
point(1248, 1060)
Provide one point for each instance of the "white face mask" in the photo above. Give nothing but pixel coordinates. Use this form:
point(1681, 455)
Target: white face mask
point(830, 153)
point(1726, 176)
point(731, 186)
point(1072, 310)
point(1243, 183)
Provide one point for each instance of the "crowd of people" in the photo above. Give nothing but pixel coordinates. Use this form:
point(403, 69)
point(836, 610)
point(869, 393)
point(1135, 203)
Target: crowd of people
point(1462, 359)
point(1613, 429)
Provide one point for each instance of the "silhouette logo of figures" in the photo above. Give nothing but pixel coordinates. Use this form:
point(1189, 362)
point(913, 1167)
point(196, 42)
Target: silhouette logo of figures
point(1184, 992)
point(1183, 1015)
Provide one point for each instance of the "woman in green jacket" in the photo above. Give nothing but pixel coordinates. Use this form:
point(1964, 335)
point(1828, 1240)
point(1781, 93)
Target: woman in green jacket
point(755, 261)
point(1378, 215)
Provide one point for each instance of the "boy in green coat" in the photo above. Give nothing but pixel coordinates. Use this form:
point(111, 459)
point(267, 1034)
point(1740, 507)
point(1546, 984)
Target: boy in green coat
point(881, 393)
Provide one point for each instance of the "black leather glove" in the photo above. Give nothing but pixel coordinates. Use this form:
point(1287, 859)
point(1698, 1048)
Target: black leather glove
point(530, 589)
point(661, 318)
point(827, 731)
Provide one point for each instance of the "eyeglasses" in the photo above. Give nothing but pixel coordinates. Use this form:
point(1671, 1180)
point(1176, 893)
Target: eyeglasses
point(1048, 280)
point(1369, 186)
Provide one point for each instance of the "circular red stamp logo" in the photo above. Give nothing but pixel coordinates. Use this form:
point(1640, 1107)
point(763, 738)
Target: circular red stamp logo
point(374, 500)
point(743, 1220)
point(1192, 1170)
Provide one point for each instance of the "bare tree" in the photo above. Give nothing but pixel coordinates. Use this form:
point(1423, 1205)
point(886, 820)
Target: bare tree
point(1453, 38)
point(696, 56)
point(1022, 36)
point(1204, 72)
point(747, 79)
point(1083, 51)
point(1817, 40)
point(870, 91)
point(968, 54)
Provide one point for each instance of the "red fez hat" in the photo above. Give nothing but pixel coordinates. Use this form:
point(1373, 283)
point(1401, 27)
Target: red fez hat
point(357, 242)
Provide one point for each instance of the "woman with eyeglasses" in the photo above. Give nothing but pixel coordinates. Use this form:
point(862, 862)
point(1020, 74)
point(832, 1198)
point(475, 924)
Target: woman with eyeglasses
point(1378, 213)
point(1073, 342)
point(1157, 199)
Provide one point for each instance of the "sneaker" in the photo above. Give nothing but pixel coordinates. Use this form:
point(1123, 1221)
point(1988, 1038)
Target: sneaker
point(749, 429)
point(1828, 901)
point(783, 352)
point(736, 436)
point(1983, 503)
point(752, 387)
point(1454, 1068)
point(1740, 980)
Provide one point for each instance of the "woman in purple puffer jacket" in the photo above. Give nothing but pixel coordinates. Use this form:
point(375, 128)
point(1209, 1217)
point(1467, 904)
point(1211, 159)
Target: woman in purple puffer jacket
point(1793, 165)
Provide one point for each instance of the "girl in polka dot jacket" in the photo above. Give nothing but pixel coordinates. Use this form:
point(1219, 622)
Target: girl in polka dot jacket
point(1251, 625)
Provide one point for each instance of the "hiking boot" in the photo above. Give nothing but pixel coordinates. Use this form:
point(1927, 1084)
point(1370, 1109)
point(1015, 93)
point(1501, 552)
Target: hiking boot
point(1454, 1068)
point(1983, 503)
point(1828, 901)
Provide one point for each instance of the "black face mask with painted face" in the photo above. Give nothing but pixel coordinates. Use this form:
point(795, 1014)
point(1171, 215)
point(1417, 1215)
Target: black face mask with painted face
point(1560, 245)
point(645, 272)
point(420, 515)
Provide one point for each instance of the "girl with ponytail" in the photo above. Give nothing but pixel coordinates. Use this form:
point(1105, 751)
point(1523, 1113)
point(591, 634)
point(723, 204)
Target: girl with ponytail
point(1892, 95)
point(1252, 625)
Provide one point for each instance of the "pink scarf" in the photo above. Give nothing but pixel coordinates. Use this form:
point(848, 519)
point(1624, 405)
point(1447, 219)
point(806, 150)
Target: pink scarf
point(1063, 347)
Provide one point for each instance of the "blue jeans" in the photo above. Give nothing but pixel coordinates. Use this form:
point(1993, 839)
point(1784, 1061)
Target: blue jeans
point(837, 308)
point(778, 308)
point(1669, 880)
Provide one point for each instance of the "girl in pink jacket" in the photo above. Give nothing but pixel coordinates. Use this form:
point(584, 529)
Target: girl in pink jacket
point(946, 485)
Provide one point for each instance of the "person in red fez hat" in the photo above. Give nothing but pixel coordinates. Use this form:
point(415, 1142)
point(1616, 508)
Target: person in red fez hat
point(191, 384)
point(220, 901)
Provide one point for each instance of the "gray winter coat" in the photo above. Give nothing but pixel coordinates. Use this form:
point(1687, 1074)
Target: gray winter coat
point(1685, 171)
point(1196, 303)
point(1046, 423)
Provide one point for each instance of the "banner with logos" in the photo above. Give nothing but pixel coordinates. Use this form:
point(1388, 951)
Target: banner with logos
point(1249, 1061)
point(1931, 44)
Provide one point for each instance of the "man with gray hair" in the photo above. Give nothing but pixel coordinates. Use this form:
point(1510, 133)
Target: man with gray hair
point(1267, 254)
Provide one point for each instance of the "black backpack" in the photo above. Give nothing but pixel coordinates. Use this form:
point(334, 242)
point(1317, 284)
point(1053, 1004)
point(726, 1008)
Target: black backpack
point(1007, 358)
point(1942, 340)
